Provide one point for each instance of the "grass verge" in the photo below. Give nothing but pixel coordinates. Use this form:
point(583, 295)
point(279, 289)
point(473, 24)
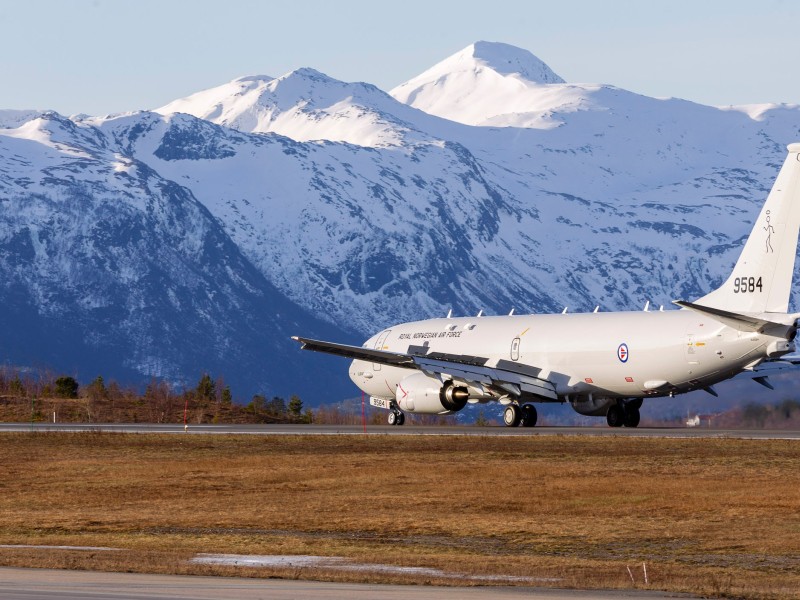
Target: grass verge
point(708, 516)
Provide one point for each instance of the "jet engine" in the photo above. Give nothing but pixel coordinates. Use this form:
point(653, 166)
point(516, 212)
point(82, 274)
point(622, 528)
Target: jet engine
point(421, 393)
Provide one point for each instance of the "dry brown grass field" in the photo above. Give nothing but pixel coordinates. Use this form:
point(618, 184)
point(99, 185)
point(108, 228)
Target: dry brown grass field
point(708, 516)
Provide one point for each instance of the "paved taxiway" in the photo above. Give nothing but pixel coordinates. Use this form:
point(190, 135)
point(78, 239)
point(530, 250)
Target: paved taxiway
point(677, 432)
point(46, 584)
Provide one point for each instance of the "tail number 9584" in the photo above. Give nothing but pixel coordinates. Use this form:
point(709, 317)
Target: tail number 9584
point(746, 285)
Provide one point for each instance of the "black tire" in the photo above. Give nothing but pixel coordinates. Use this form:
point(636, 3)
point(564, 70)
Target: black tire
point(632, 417)
point(511, 415)
point(615, 416)
point(392, 418)
point(401, 418)
point(529, 415)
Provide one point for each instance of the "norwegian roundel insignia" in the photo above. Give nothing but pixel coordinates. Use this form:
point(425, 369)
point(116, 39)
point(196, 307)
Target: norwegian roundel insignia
point(622, 353)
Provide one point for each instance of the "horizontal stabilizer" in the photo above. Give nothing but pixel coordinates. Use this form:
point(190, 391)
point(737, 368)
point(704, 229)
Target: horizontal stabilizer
point(762, 370)
point(737, 321)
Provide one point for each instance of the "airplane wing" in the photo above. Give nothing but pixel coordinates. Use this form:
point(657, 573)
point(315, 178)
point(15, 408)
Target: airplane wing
point(377, 356)
point(510, 377)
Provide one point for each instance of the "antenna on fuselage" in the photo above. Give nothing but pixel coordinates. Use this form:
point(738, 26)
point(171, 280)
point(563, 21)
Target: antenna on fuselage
point(646, 306)
point(480, 313)
point(511, 313)
point(450, 314)
point(596, 309)
point(563, 312)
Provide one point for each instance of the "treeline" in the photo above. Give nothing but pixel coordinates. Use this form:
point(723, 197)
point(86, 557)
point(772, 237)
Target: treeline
point(784, 415)
point(47, 397)
point(781, 415)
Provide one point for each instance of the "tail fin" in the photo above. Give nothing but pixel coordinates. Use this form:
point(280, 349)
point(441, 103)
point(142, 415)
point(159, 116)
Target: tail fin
point(762, 278)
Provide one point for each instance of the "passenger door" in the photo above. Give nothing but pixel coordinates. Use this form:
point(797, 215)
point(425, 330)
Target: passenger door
point(379, 346)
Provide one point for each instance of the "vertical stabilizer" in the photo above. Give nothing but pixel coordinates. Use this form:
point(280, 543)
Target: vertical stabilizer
point(762, 278)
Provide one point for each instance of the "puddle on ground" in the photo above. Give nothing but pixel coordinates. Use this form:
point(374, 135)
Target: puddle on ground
point(338, 563)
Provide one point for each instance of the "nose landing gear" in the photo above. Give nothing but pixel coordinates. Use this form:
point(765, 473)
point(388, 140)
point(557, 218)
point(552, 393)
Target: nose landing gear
point(396, 416)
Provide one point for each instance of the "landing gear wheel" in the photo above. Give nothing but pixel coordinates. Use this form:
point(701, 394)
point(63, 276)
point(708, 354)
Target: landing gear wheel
point(615, 416)
point(396, 417)
point(631, 417)
point(529, 416)
point(511, 415)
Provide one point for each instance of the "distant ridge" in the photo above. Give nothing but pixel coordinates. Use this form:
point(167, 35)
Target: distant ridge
point(304, 105)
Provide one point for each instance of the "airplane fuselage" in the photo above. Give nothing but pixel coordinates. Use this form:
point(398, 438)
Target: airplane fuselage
point(603, 364)
point(606, 355)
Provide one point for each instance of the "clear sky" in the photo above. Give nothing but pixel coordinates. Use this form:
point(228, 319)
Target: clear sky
point(105, 56)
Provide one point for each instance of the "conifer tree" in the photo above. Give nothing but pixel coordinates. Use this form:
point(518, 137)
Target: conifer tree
point(66, 387)
point(206, 389)
point(295, 407)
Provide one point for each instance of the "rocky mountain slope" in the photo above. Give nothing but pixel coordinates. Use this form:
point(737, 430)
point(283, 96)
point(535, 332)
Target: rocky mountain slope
point(201, 235)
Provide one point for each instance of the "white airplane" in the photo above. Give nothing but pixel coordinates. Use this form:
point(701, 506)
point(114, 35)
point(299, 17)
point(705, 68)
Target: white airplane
point(603, 364)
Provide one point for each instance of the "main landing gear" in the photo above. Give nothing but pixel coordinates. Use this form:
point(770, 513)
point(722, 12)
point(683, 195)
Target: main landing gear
point(624, 413)
point(524, 416)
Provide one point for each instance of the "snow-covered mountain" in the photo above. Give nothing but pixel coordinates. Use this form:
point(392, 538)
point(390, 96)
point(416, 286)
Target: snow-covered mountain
point(202, 235)
point(304, 105)
point(108, 268)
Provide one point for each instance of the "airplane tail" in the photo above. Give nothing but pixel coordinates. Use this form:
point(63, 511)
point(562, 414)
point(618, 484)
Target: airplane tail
point(762, 278)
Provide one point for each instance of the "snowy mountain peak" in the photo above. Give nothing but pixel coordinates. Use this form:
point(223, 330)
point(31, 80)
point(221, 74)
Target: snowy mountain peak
point(509, 60)
point(484, 81)
point(309, 73)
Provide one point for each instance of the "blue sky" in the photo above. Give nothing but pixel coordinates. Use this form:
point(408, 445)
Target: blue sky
point(104, 56)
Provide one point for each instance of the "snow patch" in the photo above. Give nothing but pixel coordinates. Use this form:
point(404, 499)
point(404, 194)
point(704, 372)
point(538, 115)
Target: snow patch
point(338, 563)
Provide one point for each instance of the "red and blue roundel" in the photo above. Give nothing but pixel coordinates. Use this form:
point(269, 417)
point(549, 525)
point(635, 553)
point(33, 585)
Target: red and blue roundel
point(622, 353)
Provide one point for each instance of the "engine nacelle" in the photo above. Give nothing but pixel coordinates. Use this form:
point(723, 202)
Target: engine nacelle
point(421, 393)
point(591, 406)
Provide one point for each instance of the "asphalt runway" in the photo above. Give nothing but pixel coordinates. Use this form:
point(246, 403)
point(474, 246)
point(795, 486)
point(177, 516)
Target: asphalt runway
point(677, 432)
point(46, 584)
